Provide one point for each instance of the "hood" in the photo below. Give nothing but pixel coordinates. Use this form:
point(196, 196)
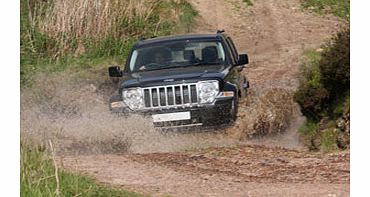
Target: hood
point(173, 76)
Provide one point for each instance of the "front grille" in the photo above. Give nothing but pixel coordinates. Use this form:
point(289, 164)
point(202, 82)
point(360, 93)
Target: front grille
point(170, 96)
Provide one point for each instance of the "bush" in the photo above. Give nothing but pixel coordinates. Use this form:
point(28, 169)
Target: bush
point(325, 78)
point(311, 95)
point(323, 94)
point(334, 66)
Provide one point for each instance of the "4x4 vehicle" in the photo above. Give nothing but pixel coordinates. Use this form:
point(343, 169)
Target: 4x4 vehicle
point(187, 80)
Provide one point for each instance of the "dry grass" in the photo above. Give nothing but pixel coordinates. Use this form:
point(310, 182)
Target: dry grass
point(71, 21)
point(77, 18)
point(75, 25)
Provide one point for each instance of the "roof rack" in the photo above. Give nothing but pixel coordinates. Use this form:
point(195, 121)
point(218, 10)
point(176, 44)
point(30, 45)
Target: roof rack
point(220, 31)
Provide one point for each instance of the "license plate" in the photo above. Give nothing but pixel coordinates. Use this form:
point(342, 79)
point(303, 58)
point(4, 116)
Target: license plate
point(171, 116)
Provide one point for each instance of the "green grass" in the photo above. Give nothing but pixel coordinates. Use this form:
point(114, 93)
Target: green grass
point(339, 8)
point(248, 2)
point(328, 139)
point(309, 129)
point(38, 178)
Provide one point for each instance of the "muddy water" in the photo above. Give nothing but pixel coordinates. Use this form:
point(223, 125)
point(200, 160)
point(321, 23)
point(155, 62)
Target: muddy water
point(73, 114)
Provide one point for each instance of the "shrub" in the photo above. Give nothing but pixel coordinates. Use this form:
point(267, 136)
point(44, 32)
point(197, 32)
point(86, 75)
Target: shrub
point(311, 95)
point(248, 2)
point(310, 131)
point(334, 66)
point(323, 94)
point(324, 79)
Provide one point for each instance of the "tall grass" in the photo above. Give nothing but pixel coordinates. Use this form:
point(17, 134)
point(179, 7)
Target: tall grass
point(86, 23)
point(56, 33)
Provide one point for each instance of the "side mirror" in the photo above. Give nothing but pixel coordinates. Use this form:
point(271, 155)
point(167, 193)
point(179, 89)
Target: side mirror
point(115, 71)
point(243, 59)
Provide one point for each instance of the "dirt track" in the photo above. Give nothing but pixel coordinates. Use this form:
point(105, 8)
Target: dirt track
point(240, 171)
point(274, 33)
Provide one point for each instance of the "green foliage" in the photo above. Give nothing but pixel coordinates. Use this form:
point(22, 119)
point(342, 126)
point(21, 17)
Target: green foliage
point(320, 136)
point(328, 139)
point(309, 131)
point(187, 13)
point(38, 178)
point(248, 2)
point(339, 8)
point(323, 93)
point(311, 95)
point(324, 79)
point(334, 65)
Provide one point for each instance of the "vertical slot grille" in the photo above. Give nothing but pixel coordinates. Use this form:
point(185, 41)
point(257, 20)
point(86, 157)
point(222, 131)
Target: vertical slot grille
point(193, 93)
point(155, 97)
point(170, 96)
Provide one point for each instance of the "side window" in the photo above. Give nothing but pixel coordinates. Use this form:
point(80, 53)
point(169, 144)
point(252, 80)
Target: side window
point(232, 46)
point(229, 50)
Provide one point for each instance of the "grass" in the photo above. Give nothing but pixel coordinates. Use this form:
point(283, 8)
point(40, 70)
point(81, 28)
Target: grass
point(328, 139)
point(340, 8)
point(248, 2)
point(317, 138)
point(39, 177)
point(51, 41)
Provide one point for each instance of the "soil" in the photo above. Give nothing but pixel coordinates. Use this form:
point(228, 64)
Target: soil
point(274, 33)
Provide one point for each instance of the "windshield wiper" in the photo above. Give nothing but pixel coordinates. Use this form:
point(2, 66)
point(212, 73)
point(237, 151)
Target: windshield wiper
point(204, 64)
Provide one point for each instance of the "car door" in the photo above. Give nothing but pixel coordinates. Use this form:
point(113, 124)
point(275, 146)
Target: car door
point(240, 79)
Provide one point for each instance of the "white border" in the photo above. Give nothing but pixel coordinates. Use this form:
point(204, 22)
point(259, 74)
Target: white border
point(10, 98)
point(360, 128)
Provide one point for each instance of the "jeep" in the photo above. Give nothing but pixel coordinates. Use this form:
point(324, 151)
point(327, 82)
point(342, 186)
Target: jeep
point(182, 81)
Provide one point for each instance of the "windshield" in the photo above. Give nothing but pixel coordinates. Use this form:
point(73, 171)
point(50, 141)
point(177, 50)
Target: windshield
point(177, 54)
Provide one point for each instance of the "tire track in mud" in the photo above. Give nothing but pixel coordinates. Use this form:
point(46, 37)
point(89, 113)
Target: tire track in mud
point(240, 171)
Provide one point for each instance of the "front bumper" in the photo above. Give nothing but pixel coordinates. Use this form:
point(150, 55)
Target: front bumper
point(218, 113)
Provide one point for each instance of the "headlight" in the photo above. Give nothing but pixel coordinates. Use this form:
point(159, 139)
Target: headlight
point(133, 98)
point(207, 91)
